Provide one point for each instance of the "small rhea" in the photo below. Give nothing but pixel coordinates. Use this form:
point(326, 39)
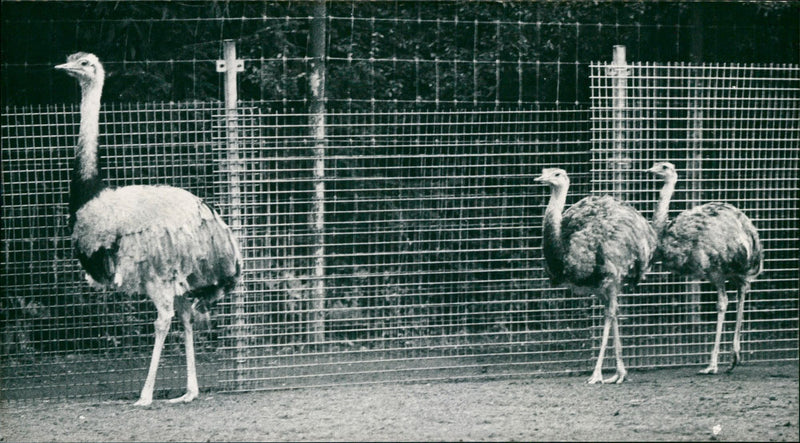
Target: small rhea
point(597, 246)
point(716, 242)
point(160, 241)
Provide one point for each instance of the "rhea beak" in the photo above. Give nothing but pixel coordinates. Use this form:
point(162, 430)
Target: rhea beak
point(69, 68)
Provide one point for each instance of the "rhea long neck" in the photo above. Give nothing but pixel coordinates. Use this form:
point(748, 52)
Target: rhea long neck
point(661, 213)
point(86, 180)
point(552, 217)
point(86, 153)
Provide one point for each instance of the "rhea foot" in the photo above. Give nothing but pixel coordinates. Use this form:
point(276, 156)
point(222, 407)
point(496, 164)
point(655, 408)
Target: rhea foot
point(596, 377)
point(734, 362)
point(185, 398)
point(710, 370)
point(618, 378)
point(143, 402)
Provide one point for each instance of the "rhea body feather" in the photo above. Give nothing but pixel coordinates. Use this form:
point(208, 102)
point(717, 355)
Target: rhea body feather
point(135, 237)
point(715, 241)
point(602, 242)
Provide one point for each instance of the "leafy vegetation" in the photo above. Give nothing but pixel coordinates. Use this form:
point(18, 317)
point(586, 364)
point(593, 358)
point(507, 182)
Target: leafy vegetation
point(523, 51)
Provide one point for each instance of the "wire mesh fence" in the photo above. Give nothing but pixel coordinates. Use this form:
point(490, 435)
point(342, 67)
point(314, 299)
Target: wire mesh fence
point(432, 234)
point(732, 131)
point(430, 246)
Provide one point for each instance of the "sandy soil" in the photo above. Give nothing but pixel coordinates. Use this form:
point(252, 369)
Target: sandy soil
point(755, 402)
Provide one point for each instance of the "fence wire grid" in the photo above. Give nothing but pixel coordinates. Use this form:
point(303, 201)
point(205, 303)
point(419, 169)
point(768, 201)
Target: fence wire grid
point(430, 245)
point(732, 131)
point(432, 235)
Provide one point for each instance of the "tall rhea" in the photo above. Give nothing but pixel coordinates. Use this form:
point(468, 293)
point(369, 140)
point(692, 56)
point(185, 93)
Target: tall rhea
point(715, 241)
point(596, 247)
point(155, 240)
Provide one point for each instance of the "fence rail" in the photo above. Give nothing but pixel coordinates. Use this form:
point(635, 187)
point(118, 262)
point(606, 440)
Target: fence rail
point(432, 234)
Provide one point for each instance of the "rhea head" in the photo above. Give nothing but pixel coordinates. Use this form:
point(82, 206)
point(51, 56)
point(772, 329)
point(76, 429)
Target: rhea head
point(665, 170)
point(555, 177)
point(85, 67)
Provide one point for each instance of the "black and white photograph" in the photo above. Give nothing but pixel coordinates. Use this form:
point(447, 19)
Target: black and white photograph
point(399, 220)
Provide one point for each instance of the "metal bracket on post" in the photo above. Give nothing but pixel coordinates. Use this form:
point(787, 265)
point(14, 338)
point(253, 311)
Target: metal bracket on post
point(230, 66)
point(222, 65)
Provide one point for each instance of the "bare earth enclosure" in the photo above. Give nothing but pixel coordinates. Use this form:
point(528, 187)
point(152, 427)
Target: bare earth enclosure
point(757, 402)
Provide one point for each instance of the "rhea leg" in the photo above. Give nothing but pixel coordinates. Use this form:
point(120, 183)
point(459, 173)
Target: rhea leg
point(597, 375)
point(737, 345)
point(184, 308)
point(162, 324)
point(619, 377)
point(722, 306)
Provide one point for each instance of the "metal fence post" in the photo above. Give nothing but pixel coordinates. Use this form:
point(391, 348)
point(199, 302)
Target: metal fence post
point(619, 162)
point(230, 66)
point(317, 128)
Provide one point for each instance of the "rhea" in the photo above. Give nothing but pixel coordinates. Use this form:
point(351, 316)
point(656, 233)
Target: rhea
point(160, 241)
point(597, 246)
point(714, 241)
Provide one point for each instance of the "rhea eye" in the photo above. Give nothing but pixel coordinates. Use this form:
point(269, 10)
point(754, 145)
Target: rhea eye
point(85, 63)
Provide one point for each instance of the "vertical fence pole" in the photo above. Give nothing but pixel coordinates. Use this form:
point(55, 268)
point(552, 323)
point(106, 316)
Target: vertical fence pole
point(230, 66)
point(694, 164)
point(617, 160)
point(619, 163)
point(317, 128)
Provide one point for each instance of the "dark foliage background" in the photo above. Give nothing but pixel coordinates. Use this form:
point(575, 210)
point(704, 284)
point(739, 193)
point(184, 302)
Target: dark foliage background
point(523, 51)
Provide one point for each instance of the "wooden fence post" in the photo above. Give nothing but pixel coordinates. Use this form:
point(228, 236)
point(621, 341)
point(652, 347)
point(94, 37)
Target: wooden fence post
point(230, 66)
point(317, 128)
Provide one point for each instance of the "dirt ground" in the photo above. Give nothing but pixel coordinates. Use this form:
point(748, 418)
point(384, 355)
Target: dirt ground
point(754, 403)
